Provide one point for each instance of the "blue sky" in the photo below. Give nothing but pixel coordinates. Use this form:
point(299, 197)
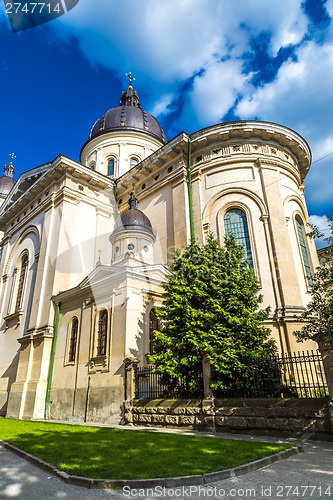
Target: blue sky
point(196, 63)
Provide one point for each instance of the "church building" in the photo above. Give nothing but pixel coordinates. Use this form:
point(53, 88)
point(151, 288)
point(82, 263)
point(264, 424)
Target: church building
point(84, 247)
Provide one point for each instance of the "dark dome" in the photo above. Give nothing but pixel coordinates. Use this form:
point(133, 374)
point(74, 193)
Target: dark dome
point(6, 180)
point(6, 184)
point(128, 116)
point(133, 218)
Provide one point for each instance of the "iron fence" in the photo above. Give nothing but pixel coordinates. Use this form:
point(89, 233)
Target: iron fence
point(298, 375)
point(303, 375)
point(150, 385)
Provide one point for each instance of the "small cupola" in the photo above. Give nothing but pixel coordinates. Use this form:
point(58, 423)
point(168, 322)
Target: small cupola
point(6, 180)
point(133, 236)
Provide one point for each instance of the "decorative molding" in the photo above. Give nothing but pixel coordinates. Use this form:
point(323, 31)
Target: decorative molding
point(264, 218)
point(178, 179)
point(206, 228)
point(14, 318)
point(99, 364)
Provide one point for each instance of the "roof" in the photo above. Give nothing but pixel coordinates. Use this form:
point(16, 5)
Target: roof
point(128, 116)
point(6, 184)
point(133, 218)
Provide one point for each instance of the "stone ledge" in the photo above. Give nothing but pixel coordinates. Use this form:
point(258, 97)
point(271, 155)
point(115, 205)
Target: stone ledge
point(277, 414)
point(168, 482)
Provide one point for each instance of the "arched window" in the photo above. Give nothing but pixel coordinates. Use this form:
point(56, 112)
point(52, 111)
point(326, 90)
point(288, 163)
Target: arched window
point(92, 165)
point(74, 326)
point(154, 324)
point(20, 289)
point(111, 166)
point(133, 161)
point(102, 333)
point(303, 248)
point(235, 223)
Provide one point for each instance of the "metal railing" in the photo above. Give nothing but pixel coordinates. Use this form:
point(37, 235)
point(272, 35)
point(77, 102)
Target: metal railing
point(303, 375)
point(150, 385)
point(298, 375)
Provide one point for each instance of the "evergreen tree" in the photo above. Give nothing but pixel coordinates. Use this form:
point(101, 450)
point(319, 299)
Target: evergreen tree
point(319, 311)
point(211, 312)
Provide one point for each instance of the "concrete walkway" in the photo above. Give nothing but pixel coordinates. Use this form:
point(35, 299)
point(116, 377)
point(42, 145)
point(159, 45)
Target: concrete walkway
point(308, 475)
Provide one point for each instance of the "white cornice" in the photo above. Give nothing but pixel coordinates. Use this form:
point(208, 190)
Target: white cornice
point(99, 281)
point(45, 177)
point(248, 130)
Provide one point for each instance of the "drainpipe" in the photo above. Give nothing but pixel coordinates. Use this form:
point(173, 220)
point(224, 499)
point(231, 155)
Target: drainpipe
point(189, 190)
point(115, 191)
point(53, 350)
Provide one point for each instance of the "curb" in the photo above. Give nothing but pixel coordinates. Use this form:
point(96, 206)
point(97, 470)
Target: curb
point(168, 482)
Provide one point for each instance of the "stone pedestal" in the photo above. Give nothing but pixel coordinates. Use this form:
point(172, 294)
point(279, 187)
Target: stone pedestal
point(131, 365)
point(207, 375)
point(326, 351)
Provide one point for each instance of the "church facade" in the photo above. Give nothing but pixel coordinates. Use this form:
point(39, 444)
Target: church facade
point(84, 248)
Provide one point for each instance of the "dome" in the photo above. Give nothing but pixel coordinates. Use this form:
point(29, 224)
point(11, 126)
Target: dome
point(128, 116)
point(6, 180)
point(6, 184)
point(133, 218)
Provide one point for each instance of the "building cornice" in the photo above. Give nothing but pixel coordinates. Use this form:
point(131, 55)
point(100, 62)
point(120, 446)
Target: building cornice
point(249, 131)
point(45, 180)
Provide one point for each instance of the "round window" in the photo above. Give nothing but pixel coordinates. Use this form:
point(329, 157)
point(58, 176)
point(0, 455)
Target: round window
point(130, 246)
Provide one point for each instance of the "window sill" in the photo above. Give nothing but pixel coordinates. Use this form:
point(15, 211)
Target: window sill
point(14, 318)
point(99, 364)
point(69, 363)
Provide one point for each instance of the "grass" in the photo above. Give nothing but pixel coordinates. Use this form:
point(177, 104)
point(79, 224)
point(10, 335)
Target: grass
point(100, 452)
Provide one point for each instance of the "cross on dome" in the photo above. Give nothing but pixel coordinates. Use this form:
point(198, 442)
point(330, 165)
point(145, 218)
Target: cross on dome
point(9, 169)
point(131, 78)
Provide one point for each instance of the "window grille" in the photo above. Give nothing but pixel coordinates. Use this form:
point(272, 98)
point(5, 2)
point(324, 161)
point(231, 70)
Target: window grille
point(23, 272)
point(304, 250)
point(153, 325)
point(235, 223)
point(73, 340)
point(102, 333)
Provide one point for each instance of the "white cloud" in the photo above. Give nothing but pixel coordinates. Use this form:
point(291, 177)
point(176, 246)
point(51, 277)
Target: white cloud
point(301, 98)
point(299, 94)
point(215, 92)
point(173, 39)
point(321, 223)
point(329, 7)
point(162, 105)
point(167, 42)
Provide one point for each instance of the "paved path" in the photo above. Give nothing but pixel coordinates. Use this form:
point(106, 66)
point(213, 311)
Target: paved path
point(308, 475)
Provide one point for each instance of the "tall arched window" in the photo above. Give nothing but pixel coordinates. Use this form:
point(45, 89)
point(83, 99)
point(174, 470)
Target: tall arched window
point(111, 166)
point(102, 333)
point(154, 324)
point(20, 289)
point(303, 248)
point(235, 223)
point(74, 326)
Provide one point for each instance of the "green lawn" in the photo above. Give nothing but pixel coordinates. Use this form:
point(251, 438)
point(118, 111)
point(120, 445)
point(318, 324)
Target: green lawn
point(100, 452)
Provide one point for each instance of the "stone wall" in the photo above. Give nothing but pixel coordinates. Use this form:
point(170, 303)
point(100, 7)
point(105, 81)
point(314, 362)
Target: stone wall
point(274, 416)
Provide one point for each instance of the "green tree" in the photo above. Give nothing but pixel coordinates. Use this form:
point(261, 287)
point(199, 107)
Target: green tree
point(211, 315)
point(319, 312)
